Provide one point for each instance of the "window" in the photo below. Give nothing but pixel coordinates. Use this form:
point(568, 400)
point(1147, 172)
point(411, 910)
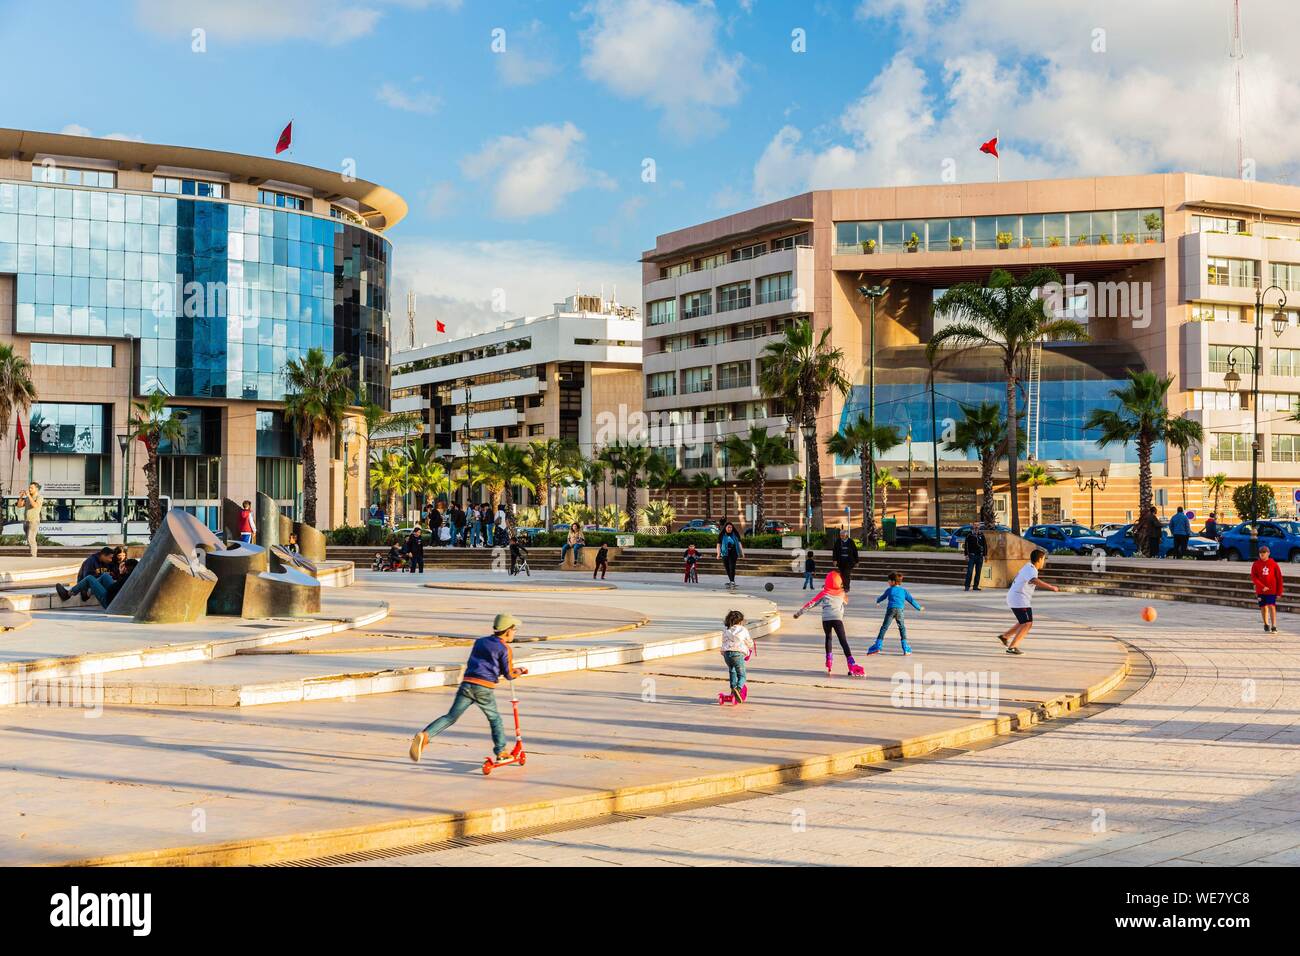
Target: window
point(660, 385)
point(790, 242)
point(698, 456)
point(1229, 446)
point(71, 354)
point(733, 375)
point(661, 311)
point(1218, 401)
point(1234, 272)
point(734, 296)
point(748, 252)
point(100, 178)
point(1285, 362)
point(1218, 224)
point(536, 430)
point(190, 477)
point(696, 380)
point(711, 262)
point(1286, 274)
point(269, 197)
point(1278, 402)
point(1206, 312)
point(696, 304)
point(774, 288)
point(672, 272)
point(189, 187)
point(338, 212)
point(1222, 358)
point(1286, 448)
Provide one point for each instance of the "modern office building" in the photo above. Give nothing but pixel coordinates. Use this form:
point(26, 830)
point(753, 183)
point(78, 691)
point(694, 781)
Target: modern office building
point(574, 374)
point(128, 268)
point(1163, 269)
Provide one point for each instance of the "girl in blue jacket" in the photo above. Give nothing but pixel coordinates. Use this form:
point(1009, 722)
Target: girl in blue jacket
point(898, 597)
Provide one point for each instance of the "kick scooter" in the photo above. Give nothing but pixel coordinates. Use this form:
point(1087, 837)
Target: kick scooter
point(517, 754)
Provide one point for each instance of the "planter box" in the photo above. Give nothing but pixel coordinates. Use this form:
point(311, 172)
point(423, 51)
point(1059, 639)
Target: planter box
point(791, 541)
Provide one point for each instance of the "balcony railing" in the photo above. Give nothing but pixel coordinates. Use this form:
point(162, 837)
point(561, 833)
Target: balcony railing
point(733, 303)
point(1023, 242)
point(692, 388)
point(735, 381)
point(774, 295)
point(806, 244)
point(697, 312)
point(663, 391)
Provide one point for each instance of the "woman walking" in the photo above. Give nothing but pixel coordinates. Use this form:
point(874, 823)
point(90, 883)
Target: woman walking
point(730, 550)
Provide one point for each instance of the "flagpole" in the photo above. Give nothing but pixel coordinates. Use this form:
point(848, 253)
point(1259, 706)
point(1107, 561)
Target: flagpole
point(997, 135)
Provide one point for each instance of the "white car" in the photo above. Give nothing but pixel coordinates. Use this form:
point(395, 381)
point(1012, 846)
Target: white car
point(1106, 530)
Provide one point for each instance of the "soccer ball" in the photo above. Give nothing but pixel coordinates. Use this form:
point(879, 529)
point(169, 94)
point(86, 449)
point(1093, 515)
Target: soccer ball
point(768, 586)
point(1148, 614)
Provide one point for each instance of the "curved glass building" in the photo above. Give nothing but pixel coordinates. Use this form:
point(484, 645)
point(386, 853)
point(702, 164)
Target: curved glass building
point(129, 268)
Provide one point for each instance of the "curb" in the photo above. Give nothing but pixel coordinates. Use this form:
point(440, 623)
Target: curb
point(442, 827)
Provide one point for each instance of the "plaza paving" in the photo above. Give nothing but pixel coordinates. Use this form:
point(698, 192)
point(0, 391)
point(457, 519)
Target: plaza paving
point(132, 779)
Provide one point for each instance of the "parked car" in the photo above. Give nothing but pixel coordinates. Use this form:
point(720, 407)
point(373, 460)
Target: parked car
point(702, 526)
point(771, 526)
point(1106, 530)
point(909, 534)
point(599, 529)
point(1282, 538)
point(958, 536)
point(1075, 537)
point(1122, 544)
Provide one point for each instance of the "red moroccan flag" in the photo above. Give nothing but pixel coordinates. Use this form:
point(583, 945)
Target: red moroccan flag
point(21, 441)
point(286, 139)
point(991, 147)
point(440, 326)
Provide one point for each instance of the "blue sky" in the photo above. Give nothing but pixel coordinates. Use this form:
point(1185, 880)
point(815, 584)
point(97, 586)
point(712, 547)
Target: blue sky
point(523, 167)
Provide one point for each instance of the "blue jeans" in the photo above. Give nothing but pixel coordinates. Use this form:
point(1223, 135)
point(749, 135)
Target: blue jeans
point(735, 668)
point(92, 584)
point(246, 537)
point(467, 695)
point(892, 614)
point(807, 580)
point(577, 552)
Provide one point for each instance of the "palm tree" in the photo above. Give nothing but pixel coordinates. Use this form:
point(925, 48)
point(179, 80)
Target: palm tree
point(17, 393)
point(554, 460)
point(627, 461)
point(983, 430)
point(706, 482)
point(153, 423)
point(662, 474)
point(659, 514)
point(504, 466)
point(752, 455)
point(420, 471)
point(388, 473)
point(1006, 315)
point(1180, 439)
point(593, 478)
point(885, 481)
point(1142, 417)
point(800, 370)
point(859, 440)
point(1036, 476)
point(316, 396)
point(1218, 486)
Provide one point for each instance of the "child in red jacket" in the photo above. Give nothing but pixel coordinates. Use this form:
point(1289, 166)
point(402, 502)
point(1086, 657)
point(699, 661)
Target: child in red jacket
point(1267, 577)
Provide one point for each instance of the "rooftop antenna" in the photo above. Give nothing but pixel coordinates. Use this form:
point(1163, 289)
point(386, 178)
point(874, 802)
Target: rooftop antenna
point(410, 315)
point(1237, 55)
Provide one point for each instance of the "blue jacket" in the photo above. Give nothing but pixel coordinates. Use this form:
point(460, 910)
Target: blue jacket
point(898, 596)
point(1180, 523)
point(729, 543)
point(489, 660)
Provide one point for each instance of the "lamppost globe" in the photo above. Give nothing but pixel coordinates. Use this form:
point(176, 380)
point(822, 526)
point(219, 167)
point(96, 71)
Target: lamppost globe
point(1280, 322)
point(1231, 380)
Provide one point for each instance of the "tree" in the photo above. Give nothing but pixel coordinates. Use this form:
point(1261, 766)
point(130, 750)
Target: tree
point(627, 461)
point(800, 370)
point(423, 473)
point(982, 430)
point(1218, 487)
point(662, 474)
point(706, 482)
point(885, 482)
point(1006, 315)
point(1181, 439)
point(659, 514)
point(501, 467)
point(859, 440)
point(554, 461)
point(612, 516)
point(316, 397)
point(151, 422)
point(388, 473)
point(1142, 417)
point(1036, 476)
point(752, 455)
point(17, 393)
point(593, 477)
point(1253, 507)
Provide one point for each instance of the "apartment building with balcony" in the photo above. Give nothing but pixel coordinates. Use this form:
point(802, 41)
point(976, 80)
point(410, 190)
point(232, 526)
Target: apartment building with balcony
point(564, 375)
point(1162, 269)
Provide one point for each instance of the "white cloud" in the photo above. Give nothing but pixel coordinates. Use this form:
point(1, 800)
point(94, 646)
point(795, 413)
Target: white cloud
point(331, 22)
point(530, 64)
point(439, 199)
point(535, 172)
point(665, 53)
point(418, 102)
point(458, 283)
point(76, 129)
point(1109, 87)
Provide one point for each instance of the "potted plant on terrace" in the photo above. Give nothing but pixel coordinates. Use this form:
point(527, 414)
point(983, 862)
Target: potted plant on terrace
point(1004, 240)
point(868, 246)
point(1081, 240)
point(956, 243)
point(1128, 238)
point(1154, 223)
point(1026, 243)
point(1053, 241)
point(913, 243)
point(1103, 239)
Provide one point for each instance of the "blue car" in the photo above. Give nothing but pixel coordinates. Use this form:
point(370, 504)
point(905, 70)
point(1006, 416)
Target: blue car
point(1058, 537)
point(958, 536)
point(1282, 538)
point(1122, 544)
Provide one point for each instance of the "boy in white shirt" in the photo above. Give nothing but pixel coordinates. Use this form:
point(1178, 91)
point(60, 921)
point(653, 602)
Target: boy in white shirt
point(1020, 598)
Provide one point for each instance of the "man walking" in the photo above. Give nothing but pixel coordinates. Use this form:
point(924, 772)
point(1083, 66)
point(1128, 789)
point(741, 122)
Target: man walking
point(844, 552)
point(1180, 526)
point(415, 548)
point(31, 502)
point(976, 547)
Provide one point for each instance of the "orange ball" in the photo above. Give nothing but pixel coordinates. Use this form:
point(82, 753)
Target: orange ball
point(1148, 614)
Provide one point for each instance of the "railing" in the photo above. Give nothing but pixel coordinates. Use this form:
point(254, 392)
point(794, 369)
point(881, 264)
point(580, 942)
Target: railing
point(662, 392)
point(731, 304)
point(733, 382)
point(1021, 242)
point(774, 295)
point(693, 388)
point(798, 245)
point(697, 313)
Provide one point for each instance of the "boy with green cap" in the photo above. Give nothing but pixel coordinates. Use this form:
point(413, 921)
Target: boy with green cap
point(489, 660)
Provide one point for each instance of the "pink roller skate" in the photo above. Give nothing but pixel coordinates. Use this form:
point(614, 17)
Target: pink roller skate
point(743, 694)
point(855, 670)
point(830, 663)
point(726, 700)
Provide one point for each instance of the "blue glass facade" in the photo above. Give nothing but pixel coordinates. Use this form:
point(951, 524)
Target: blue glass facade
point(1075, 379)
point(220, 295)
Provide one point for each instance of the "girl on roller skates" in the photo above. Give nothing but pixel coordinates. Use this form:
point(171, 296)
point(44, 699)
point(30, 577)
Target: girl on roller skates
point(833, 601)
point(737, 647)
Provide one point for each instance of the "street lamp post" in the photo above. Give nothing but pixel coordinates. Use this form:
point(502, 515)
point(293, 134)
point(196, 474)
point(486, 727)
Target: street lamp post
point(934, 445)
point(871, 293)
point(1092, 484)
point(1232, 381)
point(809, 432)
point(124, 446)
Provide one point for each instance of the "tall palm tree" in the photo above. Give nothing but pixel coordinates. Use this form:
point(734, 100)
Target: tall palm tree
point(752, 455)
point(1036, 476)
point(421, 463)
point(627, 461)
point(151, 422)
point(1181, 440)
point(885, 482)
point(501, 467)
point(1218, 486)
point(593, 479)
point(554, 460)
point(17, 393)
point(982, 430)
point(664, 475)
point(800, 370)
point(389, 473)
point(859, 440)
point(1007, 315)
point(316, 397)
point(1142, 417)
point(706, 482)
